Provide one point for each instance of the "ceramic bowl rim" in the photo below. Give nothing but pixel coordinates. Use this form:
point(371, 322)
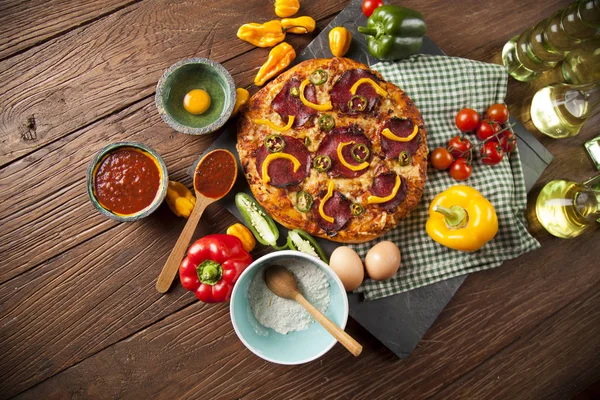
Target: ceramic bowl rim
point(289, 253)
point(158, 199)
point(223, 117)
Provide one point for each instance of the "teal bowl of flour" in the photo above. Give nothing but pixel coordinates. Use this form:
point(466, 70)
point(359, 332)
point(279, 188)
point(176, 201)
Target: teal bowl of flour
point(249, 297)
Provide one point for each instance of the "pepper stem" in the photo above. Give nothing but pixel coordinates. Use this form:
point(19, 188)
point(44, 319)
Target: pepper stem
point(456, 216)
point(209, 272)
point(368, 31)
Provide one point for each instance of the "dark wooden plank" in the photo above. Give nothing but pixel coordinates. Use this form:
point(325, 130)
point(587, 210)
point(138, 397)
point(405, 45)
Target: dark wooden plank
point(195, 351)
point(24, 24)
point(90, 72)
point(542, 363)
point(49, 212)
point(89, 297)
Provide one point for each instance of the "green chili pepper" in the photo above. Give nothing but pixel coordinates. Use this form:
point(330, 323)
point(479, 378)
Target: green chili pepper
point(357, 103)
point(404, 158)
point(274, 143)
point(258, 221)
point(360, 152)
point(322, 163)
point(295, 92)
point(302, 241)
point(326, 122)
point(307, 141)
point(318, 77)
point(394, 32)
point(304, 201)
point(356, 209)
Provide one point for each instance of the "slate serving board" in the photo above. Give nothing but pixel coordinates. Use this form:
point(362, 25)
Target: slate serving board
point(398, 321)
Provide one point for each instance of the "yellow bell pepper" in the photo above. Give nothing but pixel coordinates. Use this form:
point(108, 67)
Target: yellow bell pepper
point(462, 219)
point(241, 98)
point(241, 232)
point(180, 199)
point(298, 25)
point(262, 35)
point(280, 57)
point(340, 39)
point(286, 8)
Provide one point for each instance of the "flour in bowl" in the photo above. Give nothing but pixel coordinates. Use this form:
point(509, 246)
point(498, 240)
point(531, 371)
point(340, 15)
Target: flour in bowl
point(283, 315)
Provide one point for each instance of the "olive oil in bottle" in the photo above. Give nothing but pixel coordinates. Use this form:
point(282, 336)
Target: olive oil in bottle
point(566, 209)
point(560, 110)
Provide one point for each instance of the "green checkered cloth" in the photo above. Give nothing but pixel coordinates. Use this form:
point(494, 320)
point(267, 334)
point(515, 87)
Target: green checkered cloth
point(440, 86)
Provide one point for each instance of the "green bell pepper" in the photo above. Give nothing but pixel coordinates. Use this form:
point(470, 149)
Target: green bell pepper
point(394, 32)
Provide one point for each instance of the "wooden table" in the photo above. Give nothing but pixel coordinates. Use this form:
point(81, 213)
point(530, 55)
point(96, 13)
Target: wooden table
point(79, 315)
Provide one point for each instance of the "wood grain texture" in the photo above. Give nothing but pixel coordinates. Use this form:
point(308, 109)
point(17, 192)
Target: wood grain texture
point(79, 316)
point(90, 72)
point(88, 298)
point(488, 314)
point(527, 364)
point(24, 24)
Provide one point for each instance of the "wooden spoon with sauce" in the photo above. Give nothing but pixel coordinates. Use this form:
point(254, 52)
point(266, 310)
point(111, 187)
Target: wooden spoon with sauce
point(213, 179)
point(281, 282)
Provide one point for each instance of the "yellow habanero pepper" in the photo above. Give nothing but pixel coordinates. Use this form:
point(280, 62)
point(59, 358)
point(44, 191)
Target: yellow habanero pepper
point(262, 35)
point(180, 199)
point(298, 25)
point(241, 232)
point(462, 219)
point(279, 58)
point(340, 39)
point(286, 8)
point(241, 97)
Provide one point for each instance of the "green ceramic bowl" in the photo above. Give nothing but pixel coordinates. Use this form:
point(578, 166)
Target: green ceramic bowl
point(186, 75)
point(160, 194)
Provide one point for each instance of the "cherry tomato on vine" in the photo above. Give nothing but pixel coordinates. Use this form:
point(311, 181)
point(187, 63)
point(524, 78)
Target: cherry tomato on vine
point(459, 146)
point(368, 6)
point(467, 120)
point(508, 141)
point(461, 170)
point(487, 129)
point(492, 153)
point(441, 159)
point(498, 113)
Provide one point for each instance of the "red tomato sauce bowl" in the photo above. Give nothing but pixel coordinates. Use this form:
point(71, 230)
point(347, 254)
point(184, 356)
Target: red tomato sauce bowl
point(127, 181)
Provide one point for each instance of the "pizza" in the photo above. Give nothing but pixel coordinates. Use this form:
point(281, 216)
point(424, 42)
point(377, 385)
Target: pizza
point(330, 147)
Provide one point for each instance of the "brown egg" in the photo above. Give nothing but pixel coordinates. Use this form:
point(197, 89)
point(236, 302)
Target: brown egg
point(348, 266)
point(382, 261)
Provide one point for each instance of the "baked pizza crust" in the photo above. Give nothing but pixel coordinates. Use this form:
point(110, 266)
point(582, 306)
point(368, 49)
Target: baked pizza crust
point(280, 202)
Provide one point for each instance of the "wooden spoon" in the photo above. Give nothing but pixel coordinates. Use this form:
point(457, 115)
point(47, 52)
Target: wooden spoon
point(213, 179)
point(283, 284)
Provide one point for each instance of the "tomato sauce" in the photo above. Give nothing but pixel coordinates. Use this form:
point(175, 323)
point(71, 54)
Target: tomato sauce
point(126, 181)
point(215, 174)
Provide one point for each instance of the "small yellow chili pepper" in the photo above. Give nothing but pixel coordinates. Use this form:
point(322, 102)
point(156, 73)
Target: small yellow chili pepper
point(286, 8)
point(279, 58)
point(298, 25)
point(340, 39)
point(241, 232)
point(462, 219)
point(262, 35)
point(241, 97)
point(180, 199)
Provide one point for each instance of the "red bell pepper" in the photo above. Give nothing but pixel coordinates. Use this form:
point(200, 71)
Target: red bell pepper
point(212, 266)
